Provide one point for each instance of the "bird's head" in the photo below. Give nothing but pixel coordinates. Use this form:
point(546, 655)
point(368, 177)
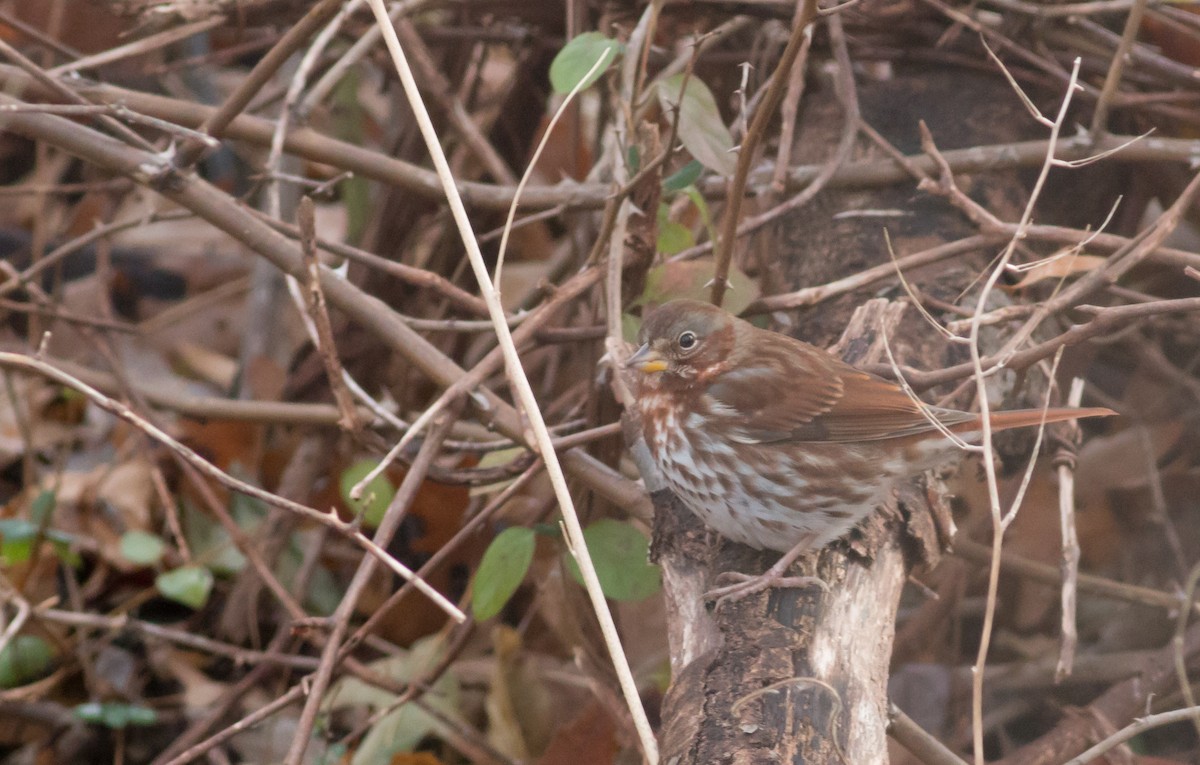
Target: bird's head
point(683, 340)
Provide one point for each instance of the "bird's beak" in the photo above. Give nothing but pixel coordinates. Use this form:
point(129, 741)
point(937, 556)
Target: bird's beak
point(647, 360)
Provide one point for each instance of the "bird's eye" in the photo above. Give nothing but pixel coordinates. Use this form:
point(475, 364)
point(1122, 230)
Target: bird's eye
point(687, 340)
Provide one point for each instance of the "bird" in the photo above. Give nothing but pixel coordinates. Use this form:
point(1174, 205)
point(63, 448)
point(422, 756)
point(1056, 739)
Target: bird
point(777, 444)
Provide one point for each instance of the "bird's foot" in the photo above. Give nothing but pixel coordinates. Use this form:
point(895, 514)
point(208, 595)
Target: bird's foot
point(744, 585)
point(775, 576)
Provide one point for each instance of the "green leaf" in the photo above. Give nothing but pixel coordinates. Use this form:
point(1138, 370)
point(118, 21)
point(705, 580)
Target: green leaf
point(672, 237)
point(247, 511)
point(700, 127)
point(683, 177)
point(115, 715)
point(376, 495)
point(210, 542)
point(501, 571)
point(142, 548)
point(189, 585)
point(43, 507)
point(496, 459)
point(62, 549)
point(621, 556)
point(324, 593)
point(16, 540)
point(578, 56)
point(26, 658)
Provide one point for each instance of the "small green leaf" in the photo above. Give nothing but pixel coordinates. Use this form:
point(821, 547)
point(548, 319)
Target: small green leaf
point(701, 130)
point(621, 556)
point(142, 548)
point(189, 585)
point(70, 394)
point(633, 158)
point(578, 56)
point(683, 177)
point(208, 541)
point(16, 540)
point(376, 496)
point(115, 715)
point(495, 459)
point(62, 549)
point(672, 237)
point(42, 507)
point(25, 659)
point(501, 571)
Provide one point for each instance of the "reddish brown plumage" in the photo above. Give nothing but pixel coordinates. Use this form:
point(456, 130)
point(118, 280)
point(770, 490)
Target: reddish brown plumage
point(774, 442)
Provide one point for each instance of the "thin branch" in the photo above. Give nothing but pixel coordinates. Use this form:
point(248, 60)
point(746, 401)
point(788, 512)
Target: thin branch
point(140, 47)
point(30, 364)
point(340, 619)
point(918, 741)
point(1133, 23)
point(318, 315)
point(1064, 459)
point(375, 165)
point(1141, 725)
point(219, 119)
point(755, 134)
point(998, 524)
point(520, 383)
point(1014, 565)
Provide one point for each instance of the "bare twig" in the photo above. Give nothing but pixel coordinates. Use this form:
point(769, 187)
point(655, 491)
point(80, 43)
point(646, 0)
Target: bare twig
point(1141, 725)
point(318, 314)
point(754, 135)
point(30, 364)
point(140, 47)
point(39, 75)
point(378, 166)
point(918, 741)
point(1065, 461)
point(520, 383)
point(1012, 564)
point(1112, 81)
point(340, 619)
point(237, 101)
point(791, 103)
point(998, 520)
point(1179, 647)
point(443, 93)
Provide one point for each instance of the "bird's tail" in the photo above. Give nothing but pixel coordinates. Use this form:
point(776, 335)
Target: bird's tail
point(1025, 418)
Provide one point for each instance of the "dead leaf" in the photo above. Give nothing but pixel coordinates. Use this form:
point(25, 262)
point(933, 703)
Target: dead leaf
point(589, 739)
point(520, 708)
point(205, 363)
point(1058, 266)
point(1120, 461)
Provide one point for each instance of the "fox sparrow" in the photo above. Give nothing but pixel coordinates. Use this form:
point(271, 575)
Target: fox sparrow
point(775, 443)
